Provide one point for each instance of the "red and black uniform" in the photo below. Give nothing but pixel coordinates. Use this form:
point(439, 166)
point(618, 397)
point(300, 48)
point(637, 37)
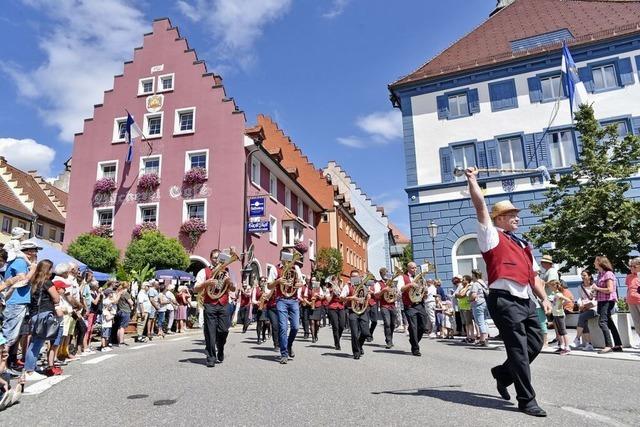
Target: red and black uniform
point(272, 314)
point(416, 317)
point(305, 310)
point(336, 314)
point(512, 259)
point(243, 311)
point(373, 311)
point(358, 325)
point(388, 313)
point(216, 323)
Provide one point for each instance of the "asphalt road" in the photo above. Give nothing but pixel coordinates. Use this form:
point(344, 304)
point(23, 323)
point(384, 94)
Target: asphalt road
point(166, 383)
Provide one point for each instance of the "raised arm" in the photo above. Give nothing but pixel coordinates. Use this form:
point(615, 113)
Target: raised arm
point(477, 198)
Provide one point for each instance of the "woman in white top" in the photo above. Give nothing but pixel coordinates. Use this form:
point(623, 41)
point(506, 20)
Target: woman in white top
point(588, 310)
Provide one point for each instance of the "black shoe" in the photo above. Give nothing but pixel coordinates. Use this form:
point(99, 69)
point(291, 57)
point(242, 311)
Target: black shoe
point(534, 411)
point(338, 347)
point(361, 351)
point(356, 356)
point(306, 336)
point(369, 339)
point(388, 346)
point(502, 390)
point(416, 353)
point(210, 363)
point(617, 349)
point(291, 353)
point(220, 357)
point(283, 360)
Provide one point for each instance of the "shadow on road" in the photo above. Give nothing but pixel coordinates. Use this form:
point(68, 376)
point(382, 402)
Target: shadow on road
point(194, 350)
point(458, 396)
point(406, 353)
point(342, 355)
point(270, 348)
point(273, 358)
point(193, 360)
point(330, 347)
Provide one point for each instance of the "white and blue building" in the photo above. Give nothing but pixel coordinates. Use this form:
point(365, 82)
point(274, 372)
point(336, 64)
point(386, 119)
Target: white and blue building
point(496, 99)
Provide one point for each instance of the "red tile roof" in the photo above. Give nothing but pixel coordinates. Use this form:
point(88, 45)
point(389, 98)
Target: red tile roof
point(58, 195)
point(490, 42)
point(8, 199)
point(398, 235)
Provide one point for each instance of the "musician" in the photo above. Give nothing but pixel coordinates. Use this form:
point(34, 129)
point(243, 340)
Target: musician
point(216, 315)
point(315, 299)
point(245, 305)
point(415, 312)
point(288, 308)
point(358, 322)
point(373, 309)
point(272, 315)
point(387, 309)
point(305, 307)
point(335, 297)
point(512, 274)
point(261, 312)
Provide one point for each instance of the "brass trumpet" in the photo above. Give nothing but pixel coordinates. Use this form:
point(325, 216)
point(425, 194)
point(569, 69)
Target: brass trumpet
point(391, 293)
point(361, 291)
point(289, 277)
point(219, 275)
point(459, 171)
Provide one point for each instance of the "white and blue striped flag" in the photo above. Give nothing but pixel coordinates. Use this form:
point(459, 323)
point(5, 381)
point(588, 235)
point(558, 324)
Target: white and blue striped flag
point(132, 130)
point(577, 93)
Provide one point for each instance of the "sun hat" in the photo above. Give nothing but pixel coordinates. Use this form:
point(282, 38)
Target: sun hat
point(28, 244)
point(546, 258)
point(502, 207)
point(18, 232)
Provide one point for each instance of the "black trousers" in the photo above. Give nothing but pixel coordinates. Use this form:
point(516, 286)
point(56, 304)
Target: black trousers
point(417, 320)
point(373, 318)
point(305, 311)
point(518, 323)
point(338, 320)
point(606, 324)
point(243, 317)
point(389, 320)
point(216, 330)
point(359, 326)
point(275, 329)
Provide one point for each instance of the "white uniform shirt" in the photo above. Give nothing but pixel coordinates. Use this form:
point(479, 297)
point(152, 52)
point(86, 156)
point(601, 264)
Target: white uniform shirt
point(488, 238)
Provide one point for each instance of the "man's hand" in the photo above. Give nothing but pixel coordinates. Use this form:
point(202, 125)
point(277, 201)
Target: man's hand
point(471, 173)
point(546, 305)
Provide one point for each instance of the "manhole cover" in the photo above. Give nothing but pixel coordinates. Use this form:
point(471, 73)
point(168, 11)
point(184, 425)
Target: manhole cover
point(137, 396)
point(164, 402)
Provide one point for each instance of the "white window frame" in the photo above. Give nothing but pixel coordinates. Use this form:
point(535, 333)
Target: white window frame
point(161, 80)
point(554, 96)
point(141, 206)
point(457, 103)
point(312, 250)
point(145, 158)
point(100, 169)
point(41, 233)
point(255, 165)
point(145, 125)
point(602, 68)
point(141, 83)
point(295, 233)
point(96, 212)
point(273, 234)
point(563, 155)
point(115, 138)
point(273, 186)
point(176, 121)
point(465, 161)
point(300, 208)
point(287, 198)
point(511, 140)
point(185, 210)
point(187, 159)
point(455, 257)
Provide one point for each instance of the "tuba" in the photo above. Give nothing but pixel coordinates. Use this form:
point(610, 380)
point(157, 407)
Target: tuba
point(288, 278)
point(391, 292)
point(416, 293)
point(360, 292)
point(220, 285)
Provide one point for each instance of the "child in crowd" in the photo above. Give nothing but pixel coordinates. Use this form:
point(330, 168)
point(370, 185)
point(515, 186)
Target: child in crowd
point(13, 247)
point(447, 323)
point(108, 313)
point(558, 299)
point(8, 395)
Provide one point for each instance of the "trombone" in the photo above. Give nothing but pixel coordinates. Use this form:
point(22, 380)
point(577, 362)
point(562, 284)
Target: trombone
point(458, 171)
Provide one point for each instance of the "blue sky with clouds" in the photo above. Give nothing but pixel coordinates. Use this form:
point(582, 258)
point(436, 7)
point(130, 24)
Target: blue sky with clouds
point(320, 68)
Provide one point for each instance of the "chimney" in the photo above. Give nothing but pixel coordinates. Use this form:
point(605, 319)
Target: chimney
point(501, 4)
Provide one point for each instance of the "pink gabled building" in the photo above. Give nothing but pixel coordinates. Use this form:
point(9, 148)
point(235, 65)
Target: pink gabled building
point(188, 122)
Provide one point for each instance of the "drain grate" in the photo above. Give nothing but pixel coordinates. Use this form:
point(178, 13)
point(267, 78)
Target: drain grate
point(164, 402)
point(137, 396)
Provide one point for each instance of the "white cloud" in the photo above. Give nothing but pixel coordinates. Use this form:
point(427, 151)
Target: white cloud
point(27, 154)
point(235, 25)
point(386, 125)
point(351, 141)
point(86, 43)
point(337, 8)
point(391, 205)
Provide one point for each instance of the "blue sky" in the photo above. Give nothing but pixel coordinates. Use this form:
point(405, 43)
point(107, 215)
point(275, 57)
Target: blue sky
point(320, 68)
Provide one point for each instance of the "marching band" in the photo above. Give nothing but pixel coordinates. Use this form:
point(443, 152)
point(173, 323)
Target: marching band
point(279, 302)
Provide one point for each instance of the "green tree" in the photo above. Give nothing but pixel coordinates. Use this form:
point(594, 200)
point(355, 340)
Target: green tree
point(99, 253)
point(407, 256)
point(328, 263)
point(156, 250)
point(586, 213)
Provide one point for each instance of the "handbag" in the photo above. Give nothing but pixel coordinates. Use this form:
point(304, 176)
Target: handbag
point(47, 326)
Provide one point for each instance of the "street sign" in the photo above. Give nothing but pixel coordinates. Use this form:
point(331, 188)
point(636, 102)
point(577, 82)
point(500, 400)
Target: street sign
point(259, 227)
point(256, 206)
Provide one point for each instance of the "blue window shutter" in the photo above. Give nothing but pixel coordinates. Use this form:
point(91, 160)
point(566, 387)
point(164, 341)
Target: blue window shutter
point(586, 77)
point(443, 107)
point(474, 101)
point(503, 95)
point(535, 89)
point(446, 164)
point(543, 155)
point(635, 125)
point(491, 148)
point(625, 72)
point(530, 157)
point(638, 65)
point(481, 153)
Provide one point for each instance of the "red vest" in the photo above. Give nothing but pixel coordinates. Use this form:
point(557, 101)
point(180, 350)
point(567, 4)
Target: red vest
point(383, 302)
point(335, 303)
point(509, 260)
point(406, 301)
point(316, 293)
point(244, 299)
point(223, 300)
point(373, 301)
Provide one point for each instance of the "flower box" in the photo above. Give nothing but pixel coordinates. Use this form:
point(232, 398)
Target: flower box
point(141, 228)
point(195, 176)
point(193, 229)
point(148, 182)
point(102, 231)
point(104, 186)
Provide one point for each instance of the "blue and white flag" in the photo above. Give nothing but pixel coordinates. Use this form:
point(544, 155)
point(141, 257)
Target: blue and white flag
point(132, 130)
point(577, 93)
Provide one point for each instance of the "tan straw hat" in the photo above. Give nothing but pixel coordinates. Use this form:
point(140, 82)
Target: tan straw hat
point(502, 207)
point(546, 258)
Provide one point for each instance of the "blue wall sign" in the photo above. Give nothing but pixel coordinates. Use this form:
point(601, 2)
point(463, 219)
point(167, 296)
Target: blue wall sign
point(259, 227)
point(256, 206)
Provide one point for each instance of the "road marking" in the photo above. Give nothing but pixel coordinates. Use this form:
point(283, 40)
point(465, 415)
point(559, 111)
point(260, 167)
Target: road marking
point(179, 339)
point(142, 346)
point(593, 416)
point(44, 385)
point(99, 359)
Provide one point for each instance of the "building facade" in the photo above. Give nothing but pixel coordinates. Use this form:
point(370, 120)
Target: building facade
point(194, 144)
point(496, 98)
point(370, 217)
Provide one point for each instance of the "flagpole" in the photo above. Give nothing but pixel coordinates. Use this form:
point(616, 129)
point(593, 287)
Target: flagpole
point(142, 135)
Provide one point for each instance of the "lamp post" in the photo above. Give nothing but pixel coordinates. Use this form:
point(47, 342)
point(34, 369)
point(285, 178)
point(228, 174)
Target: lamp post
point(433, 232)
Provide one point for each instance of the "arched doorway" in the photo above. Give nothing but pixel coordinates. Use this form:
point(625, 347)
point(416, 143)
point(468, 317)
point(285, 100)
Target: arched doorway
point(466, 256)
point(251, 273)
point(197, 264)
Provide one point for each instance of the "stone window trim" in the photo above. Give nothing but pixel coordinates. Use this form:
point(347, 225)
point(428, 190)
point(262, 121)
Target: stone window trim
point(143, 159)
point(455, 257)
point(189, 154)
point(141, 84)
point(115, 138)
point(142, 206)
point(185, 208)
point(177, 124)
point(165, 77)
point(100, 169)
point(96, 216)
point(145, 124)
